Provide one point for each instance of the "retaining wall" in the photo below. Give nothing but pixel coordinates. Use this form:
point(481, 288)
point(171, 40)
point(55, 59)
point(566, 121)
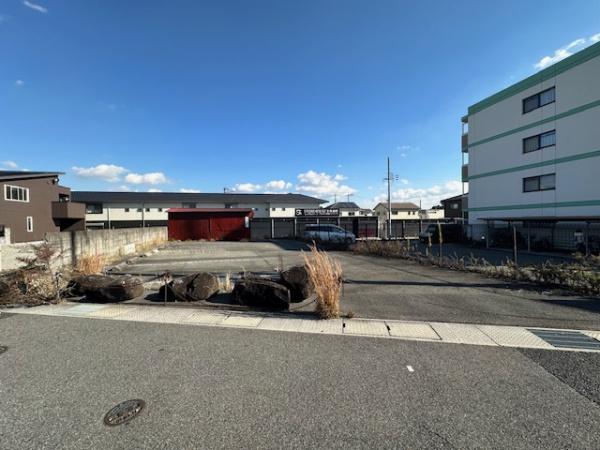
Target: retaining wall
point(111, 244)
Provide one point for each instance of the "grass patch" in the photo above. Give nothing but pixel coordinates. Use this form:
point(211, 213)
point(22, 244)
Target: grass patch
point(90, 264)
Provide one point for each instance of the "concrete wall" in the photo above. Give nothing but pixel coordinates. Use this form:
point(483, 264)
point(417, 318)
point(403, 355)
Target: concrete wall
point(111, 244)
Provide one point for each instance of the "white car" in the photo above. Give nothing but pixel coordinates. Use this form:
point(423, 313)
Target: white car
point(328, 233)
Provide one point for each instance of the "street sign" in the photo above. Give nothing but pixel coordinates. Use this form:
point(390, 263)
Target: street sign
point(317, 212)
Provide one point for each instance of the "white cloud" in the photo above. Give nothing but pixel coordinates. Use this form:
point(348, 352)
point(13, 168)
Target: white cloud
point(19, 83)
point(404, 181)
point(9, 164)
point(559, 54)
point(146, 178)
point(321, 183)
point(278, 185)
point(124, 188)
point(428, 196)
point(271, 187)
point(188, 191)
point(246, 187)
point(154, 190)
point(35, 7)
point(106, 172)
point(595, 38)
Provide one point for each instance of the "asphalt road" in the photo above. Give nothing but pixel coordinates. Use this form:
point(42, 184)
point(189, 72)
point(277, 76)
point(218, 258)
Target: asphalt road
point(226, 388)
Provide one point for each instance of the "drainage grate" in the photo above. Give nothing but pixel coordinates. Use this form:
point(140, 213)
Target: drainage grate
point(124, 412)
point(567, 339)
point(3, 349)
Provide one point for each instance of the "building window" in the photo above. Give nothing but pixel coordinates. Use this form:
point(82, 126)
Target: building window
point(93, 208)
point(126, 209)
point(533, 143)
point(351, 213)
point(147, 209)
point(160, 210)
point(283, 209)
point(394, 213)
point(539, 183)
point(29, 224)
point(273, 209)
point(453, 205)
point(538, 100)
point(16, 193)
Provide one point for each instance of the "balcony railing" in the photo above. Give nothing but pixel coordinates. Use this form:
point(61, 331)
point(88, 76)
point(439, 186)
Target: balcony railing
point(465, 173)
point(464, 141)
point(68, 210)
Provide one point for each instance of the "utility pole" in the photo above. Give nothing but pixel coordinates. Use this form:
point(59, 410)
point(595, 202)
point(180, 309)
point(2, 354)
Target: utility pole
point(389, 182)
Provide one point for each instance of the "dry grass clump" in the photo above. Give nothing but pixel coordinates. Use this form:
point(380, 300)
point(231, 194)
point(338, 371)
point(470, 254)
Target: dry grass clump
point(225, 284)
point(325, 274)
point(388, 249)
point(90, 264)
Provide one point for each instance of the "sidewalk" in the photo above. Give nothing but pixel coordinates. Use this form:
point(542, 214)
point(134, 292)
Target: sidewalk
point(453, 333)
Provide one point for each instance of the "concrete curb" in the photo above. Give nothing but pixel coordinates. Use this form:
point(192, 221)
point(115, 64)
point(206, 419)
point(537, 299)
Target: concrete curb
point(439, 332)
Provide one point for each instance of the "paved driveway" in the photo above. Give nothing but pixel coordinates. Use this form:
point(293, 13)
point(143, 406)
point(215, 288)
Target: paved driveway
point(390, 288)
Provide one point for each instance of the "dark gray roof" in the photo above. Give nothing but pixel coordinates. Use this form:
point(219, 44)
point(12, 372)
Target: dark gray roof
point(403, 206)
point(456, 197)
point(25, 174)
point(170, 197)
point(344, 205)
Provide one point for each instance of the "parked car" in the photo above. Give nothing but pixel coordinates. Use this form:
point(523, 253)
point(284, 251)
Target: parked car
point(328, 233)
point(451, 232)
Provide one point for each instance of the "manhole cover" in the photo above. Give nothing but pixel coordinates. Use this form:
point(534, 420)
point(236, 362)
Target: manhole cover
point(567, 339)
point(3, 349)
point(124, 412)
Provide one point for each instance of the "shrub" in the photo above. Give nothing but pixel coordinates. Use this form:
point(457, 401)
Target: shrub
point(90, 264)
point(325, 274)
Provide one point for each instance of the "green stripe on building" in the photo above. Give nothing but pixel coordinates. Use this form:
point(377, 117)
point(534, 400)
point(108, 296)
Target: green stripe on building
point(537, 205)
point(568, 113)
point(544, 75)
point(550, 162)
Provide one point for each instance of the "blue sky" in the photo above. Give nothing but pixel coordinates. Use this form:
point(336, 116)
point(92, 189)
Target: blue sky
point(261, 96)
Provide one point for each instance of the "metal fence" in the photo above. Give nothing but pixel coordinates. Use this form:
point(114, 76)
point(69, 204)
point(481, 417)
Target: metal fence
point(540, 236)
point(282, 228)
point(408, 229)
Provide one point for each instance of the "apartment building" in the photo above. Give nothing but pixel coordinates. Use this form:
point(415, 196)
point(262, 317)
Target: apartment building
point(350, 209)
point(33, 204)
point(144, 209)
point(532, 154)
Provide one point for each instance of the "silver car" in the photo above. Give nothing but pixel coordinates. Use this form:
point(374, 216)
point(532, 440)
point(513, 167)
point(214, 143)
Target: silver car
point(328, 233)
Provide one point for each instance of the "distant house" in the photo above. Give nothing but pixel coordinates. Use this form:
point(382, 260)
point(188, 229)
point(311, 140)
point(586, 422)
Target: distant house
point(455, 206)
point(350, 209)
point(33, 204)
point(148, 209)
point(434, 213)
point(400, 211)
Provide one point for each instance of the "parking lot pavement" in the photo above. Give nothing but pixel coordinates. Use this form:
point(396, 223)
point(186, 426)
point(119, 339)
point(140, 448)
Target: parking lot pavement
point(232, 388)
point(398, 289)
point(382, 288)
point(218, 257)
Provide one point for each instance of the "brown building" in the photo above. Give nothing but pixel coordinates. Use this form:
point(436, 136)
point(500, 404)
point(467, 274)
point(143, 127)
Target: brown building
point(33, 203)
point(456, 207)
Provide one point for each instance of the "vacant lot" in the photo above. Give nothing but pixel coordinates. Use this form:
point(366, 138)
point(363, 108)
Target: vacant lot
point(390, 288)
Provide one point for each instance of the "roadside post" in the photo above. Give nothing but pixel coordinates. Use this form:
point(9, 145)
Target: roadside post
point(167, 279)
point(439, 226)
point(515, 245)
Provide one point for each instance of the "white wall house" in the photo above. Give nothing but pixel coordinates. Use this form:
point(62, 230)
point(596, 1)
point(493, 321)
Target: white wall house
point(135, 209)
point(350, 209)
point(400, 211)
point(432, 214)
point(532, 150)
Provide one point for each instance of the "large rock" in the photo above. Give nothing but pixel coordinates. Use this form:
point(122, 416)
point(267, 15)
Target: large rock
point(261, 293)
point(4, 292)
point(297, 281)
point(197, 287)
point(107, 288)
